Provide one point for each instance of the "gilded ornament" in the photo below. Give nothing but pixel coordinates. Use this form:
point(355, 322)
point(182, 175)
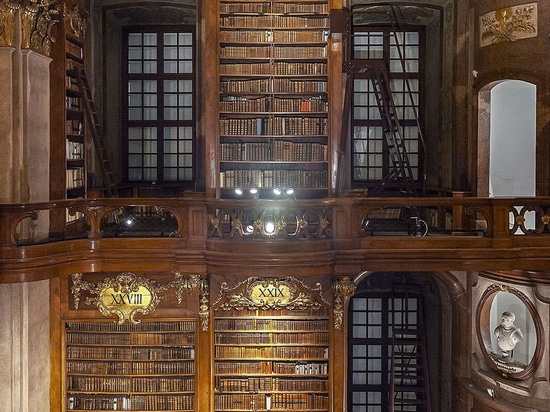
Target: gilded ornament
point(509, 24)
point(126, 295)
point(7, 23)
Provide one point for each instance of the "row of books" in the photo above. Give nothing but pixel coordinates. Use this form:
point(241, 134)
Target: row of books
point(299, 52)
point(163, 353)
point(132, 327)
point(98, 402)
point(241, 104)
point(245, 86)
point(99, 368)
point(271, 85)
point(263, 36)
point(130, 368)
point(74, 178)
point(125, 353)
point(127, 384)
point(269, 338)
point(274, 126)
point(253, 324)
point(273, 151)
point(274, 20)
point(74, 50)
point(300, 179)
point(268, 7)
point(269, 384)
point(254, 367)
point(271, 352)
point(157, 384)
point(98, 384)
point(276, 401)
point(74, 150)
point(163, 368)
point(143, 338)
point(164, 402)
point(73, 127)
point(73, 103)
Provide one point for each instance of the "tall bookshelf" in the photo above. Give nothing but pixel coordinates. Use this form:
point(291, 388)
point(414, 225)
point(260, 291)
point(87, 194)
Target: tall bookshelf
point(75, 153)
point(273, 109)
point(271, 361)
point(148, 366)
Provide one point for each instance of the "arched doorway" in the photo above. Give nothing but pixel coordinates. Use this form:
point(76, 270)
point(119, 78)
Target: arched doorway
point(507, 141)
point(396, 334)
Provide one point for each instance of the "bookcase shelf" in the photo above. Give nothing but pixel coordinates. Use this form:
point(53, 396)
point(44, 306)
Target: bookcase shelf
point(140, 367)
point(271, 360)
point(273, 87)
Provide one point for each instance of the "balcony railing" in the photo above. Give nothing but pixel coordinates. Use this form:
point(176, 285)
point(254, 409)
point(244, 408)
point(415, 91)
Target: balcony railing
point(504, 219)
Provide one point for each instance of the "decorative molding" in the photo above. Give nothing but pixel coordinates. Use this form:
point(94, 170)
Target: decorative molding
point(269, 293)
point(344, 288)
point(36, 24)
point(7, 23)
point(126, 295)
point(74, 21)
point(285, 222)
point(509, 24)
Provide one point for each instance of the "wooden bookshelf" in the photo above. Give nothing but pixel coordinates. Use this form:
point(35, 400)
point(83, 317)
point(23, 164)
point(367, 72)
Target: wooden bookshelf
point(273, 107)
point(271, 360)
point(148, 366)
point(75, 158)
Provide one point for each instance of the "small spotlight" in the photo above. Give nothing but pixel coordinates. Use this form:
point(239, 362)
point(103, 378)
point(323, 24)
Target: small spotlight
point(269, 228)
point(253, 190)
point(277, 191)
point(289, 191)
point(239, 191)
point(129, 221)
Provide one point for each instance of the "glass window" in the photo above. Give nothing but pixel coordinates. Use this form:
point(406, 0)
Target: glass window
point(400, 54)
point(159, 104)
point(373, 318)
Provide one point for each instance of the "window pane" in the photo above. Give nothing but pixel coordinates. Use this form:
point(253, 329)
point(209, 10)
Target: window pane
point(172, 150)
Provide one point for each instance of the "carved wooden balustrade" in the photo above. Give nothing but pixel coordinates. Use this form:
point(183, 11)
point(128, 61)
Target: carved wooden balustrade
point(493, 228)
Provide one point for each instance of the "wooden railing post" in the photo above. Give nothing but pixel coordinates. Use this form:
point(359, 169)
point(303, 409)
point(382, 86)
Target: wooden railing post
point(501, 223)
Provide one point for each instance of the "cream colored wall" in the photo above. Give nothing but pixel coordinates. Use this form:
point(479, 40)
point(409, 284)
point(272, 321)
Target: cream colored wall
point(25, 347)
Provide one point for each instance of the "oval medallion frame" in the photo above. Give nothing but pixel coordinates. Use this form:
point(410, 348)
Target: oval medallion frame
point(484, 332)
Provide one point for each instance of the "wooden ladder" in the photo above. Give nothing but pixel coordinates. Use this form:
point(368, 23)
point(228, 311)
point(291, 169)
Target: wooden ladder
point(409, 384)
point(401, 170)
point(109, 182)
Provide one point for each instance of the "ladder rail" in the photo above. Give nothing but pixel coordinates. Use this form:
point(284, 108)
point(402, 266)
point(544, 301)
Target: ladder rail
point(109, 182)
point(409, 343)
point(392, 131)
point(401, 170)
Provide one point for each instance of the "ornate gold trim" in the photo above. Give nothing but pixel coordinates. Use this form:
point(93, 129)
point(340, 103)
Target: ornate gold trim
point(7, 23)
point(509, 24)
point(344, 288)
point(74, 21)
point(270, 293)
point(126, 295)
point(36, 25)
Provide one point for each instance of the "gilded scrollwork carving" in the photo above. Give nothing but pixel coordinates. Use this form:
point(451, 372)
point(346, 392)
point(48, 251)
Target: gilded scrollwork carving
point(509, 24)
point(8, 12)
point(344, 288)
point(36, 24)
point(74, 21)
point(270, 293)
point(126, 295)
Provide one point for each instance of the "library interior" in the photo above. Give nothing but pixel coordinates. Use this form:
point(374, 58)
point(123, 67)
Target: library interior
point(275, 205)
